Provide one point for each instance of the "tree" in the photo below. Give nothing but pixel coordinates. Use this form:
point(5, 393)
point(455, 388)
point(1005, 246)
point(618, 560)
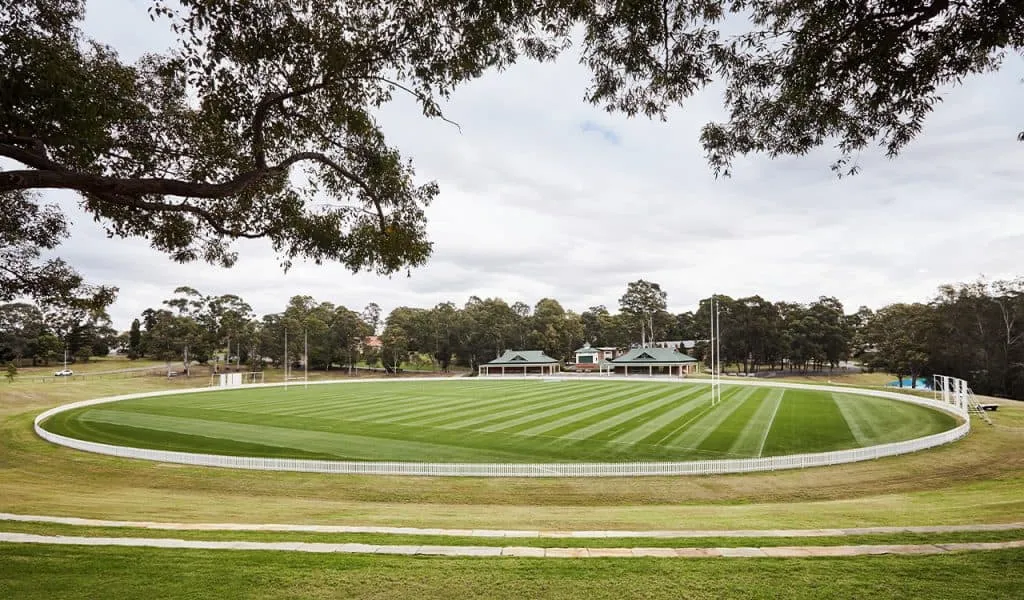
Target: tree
point(394, 348)
point(197, 147)
point(135, 341)
point(371, 314)
point(21, 326)
point(172, 337)
point(642, 300)
point(555, 330)
point(798, 73)
point(348, 330)
point(27, 228)
point(486, 330)
point(900, 334)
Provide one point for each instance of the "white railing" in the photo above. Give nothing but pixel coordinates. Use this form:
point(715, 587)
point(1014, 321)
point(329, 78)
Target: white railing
point(624, 469)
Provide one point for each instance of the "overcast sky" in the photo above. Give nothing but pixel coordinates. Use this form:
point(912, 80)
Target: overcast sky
point(543, 195)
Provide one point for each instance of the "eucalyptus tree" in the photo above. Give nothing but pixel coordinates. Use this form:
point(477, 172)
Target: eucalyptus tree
point(258, 121)
point(641, 302)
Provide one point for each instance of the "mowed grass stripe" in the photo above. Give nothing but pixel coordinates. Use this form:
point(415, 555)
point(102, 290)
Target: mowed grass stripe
point(859, 425)
point(808, 422)
point(469, 443)
point(491, 416)
point(670, 430)
point(750, 439)
point(608, 426)
point(428, 396)
point(699, 396)
point(289, 402)
point(541, 397)
point(527, 421)
point(696, 432)
point(771, 421)
point(722, 437)
point(550, 427)
point(644, 415)
point(528, 408)
point(397, 410)
point(471, 401)
point(881, 422)
point(352, 446)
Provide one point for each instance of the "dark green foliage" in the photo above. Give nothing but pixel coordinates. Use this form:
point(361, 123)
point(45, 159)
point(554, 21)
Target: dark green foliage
point(135, 340)
point(194, 148)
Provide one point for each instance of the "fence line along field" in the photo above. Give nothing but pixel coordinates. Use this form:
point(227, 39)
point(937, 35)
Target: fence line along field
point(507, 421)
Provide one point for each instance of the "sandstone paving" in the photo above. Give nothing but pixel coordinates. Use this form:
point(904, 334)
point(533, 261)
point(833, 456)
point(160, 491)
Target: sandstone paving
point(517, 551)
point(517, 533)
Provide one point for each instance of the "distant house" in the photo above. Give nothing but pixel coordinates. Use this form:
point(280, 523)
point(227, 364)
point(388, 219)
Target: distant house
point(522, 362)
point(590, 358)
point(655, 361)
point(372, 341)
point(680, 345)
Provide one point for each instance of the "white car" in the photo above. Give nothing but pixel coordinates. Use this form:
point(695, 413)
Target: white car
point(64, 373)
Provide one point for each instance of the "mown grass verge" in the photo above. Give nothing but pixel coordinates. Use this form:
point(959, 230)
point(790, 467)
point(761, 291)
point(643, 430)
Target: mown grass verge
point(70, 572)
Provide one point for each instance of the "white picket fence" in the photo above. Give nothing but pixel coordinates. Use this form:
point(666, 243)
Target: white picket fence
point(623, 469)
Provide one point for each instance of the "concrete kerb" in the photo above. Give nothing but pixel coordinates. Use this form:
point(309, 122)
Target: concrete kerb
point(514, 533)
point(511, 551)
point(705, 467)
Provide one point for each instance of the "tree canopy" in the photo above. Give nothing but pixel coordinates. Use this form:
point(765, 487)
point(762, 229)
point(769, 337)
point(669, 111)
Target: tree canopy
point(259, 121)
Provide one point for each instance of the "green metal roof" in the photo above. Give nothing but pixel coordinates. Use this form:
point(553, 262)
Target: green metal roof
point(652, 356)
point(587, 350)
point(523, 357)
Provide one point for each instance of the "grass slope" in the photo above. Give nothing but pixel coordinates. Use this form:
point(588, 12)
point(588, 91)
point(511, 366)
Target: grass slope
point(507, 421)
point(43, 571)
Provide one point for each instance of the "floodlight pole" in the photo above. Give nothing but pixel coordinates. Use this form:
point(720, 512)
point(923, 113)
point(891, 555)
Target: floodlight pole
point(286, 358)
point(305, 359)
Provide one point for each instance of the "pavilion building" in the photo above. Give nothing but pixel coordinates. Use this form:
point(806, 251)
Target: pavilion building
point(655, 361)
point(522, 362)
point(590, 358)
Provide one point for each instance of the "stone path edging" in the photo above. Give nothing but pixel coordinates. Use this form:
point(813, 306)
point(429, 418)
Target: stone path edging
point(515, 551)
point(512, 533)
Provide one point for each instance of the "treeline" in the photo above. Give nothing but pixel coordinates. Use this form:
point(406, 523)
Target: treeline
point(974, 331)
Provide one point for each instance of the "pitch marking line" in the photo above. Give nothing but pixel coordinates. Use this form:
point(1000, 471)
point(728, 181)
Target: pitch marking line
point(771, 421)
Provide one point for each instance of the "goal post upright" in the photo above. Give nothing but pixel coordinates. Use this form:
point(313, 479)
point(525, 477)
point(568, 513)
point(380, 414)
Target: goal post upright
point(715, 348)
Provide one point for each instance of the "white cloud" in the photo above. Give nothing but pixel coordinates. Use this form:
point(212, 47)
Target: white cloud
point(543, 195)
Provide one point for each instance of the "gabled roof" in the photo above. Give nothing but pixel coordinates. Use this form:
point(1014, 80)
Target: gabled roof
point(586, 349)
point(651, 356)
point(523, 357)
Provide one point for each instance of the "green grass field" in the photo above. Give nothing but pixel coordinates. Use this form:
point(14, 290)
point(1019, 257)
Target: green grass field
point(507, 421)
point(82, 572)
